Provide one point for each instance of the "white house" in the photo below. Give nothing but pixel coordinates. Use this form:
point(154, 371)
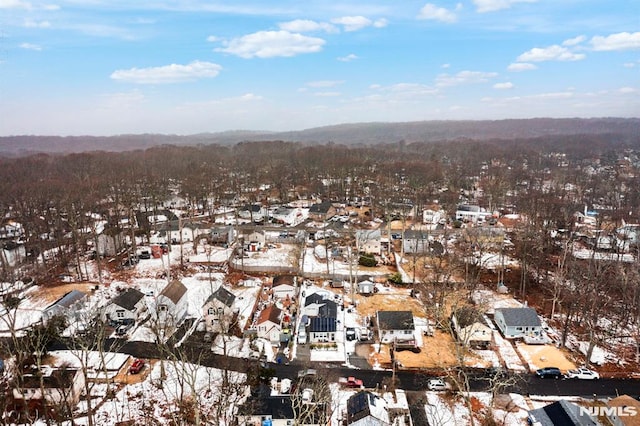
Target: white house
point(366, 287)
point(472, 213)
point(171, 305)
point(268, 325)
point(284, 286)
point(218, 311)
point(367, 409)
point(13, 253)
point(518, 322)
point(255, 240)
point(432, 215)
point(470, 328)
point(369, 241)
point(322, 330)
point(290, 216)
point(395, 326)
point(126, 307)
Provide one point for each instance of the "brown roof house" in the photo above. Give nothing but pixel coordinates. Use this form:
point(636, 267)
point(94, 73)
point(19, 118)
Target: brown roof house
point(171, 305)
point(269, 324)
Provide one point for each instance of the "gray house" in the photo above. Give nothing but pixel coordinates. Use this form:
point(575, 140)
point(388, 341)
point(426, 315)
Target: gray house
point(70, 306)
point(559, 413)
point(518, 322)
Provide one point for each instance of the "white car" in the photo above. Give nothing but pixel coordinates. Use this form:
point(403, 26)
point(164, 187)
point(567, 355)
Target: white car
point(437, 385)
point(582, 373)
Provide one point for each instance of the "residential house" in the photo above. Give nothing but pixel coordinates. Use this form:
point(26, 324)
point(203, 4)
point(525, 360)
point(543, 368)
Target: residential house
point(289, 216)
point(255, 240)
point(110, 242)
point(472, 213)
point(277, 410)
point(223, 236)
point(125, 307)
point(395, 326)
point(171, 305)
point(218, 311)
point(366, 287)
point(11, 230)
point(269, 324)
point(319, 305)
point(518, 322)
point(470, 328)
point(59, 389)
point(182, 230)
point(432, 215)
point(416, 241)
point(70, 306)
point(12, 252)
point(367, 409)
point(322, 329)
point(625, 411)
point(284, 286)
point(322, 211)
point(369, 241)
point(253, 212)
point(561, 413)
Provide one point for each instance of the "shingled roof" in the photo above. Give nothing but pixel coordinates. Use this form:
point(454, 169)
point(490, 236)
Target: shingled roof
point(223, 295)
point(395, 320)
point(174, 291)
point(520, 317)
point(128, 299)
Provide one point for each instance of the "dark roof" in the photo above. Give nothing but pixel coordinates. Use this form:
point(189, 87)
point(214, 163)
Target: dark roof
point(283, 279)
point(561, 413)
point(69, 299)
point(358, 406)
point(128, 299)
point(467, 315)
point(322, 208)
point(174, 291)
point(252, 208)
point(58, 379)
point(517, 317)
point(223, 295)
point(320, 324)
point(395, 320)
point(416, 234)
point(278, 407)
point(328, 308)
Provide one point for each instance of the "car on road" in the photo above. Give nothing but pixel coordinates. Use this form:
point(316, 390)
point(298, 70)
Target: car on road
point(136, 366)
point(582, 373)
point(307, 372)
point(553, 372)
point(437, 385)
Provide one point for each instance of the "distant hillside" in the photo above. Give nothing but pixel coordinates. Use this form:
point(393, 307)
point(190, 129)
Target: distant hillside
point(348, 134)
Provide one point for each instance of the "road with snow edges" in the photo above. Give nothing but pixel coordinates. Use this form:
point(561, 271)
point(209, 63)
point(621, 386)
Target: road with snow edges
point(409, 380)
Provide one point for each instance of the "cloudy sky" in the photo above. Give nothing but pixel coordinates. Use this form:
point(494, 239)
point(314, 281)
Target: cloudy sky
point(104, 67)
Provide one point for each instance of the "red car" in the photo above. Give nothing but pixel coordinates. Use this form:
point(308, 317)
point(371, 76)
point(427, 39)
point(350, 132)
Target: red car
point(136, 366)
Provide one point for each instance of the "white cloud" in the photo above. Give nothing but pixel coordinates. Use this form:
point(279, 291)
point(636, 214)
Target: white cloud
point(306, 25)
point(494, 5)
point(353, 23)
point(325, 83)
point(619, 41)
point(122, 100)
point(627, 90)
point(521, 66)
point(464, 77)
point(30, 23)
point(213, 39)
point(14, 4)
point(551, 53)
point(269, 44)
point(380, 23)
point(327, 94)
point(504, 86)
point(350, 57)
point(630, 65)
point(247, 97)
point(432, 12)
point(174, 73)
point(574, 41)
point(30, 46)
point(445, 66)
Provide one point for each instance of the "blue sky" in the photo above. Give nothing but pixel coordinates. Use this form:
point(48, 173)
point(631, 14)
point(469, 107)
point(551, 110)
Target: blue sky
point(104, 67)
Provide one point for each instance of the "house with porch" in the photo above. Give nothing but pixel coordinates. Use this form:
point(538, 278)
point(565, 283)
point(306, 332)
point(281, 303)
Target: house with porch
point(125, 307)
point(395, 326)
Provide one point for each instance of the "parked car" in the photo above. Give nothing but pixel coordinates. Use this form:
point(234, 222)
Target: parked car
point(136, 366)
point(308, 372)
point(437, 385)
point(124, 328)
point(582, 373)
point(545, 372)
point(350, 333)
point(350, 382)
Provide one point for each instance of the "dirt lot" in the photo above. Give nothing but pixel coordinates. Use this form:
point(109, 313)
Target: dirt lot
point(369, 305)
point(540, 356)
point(50, 294)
